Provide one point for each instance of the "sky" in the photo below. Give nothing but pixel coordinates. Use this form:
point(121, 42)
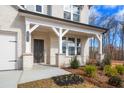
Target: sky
point(108, 10)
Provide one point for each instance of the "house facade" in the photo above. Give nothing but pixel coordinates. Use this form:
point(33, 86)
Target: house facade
point(45, 34)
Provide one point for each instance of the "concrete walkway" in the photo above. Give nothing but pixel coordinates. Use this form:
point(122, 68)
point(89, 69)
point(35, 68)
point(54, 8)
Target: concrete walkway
point(41, 72)
point(9, 79)
point(12, 78)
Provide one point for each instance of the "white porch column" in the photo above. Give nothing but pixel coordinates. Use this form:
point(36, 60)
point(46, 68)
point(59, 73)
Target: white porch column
point(84, 50)
point(67, 46)
point(100, 45)
point(28, 39)
point(27, 56)
point(99, 37)
point(75, 46)
point(60, 32)
point(60, 41)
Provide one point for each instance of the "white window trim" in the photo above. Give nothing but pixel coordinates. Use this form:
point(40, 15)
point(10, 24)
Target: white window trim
point(66, 46)
point(75, 46)
point(71, 12)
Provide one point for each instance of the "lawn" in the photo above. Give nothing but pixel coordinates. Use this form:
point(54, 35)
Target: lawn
point(50, 83)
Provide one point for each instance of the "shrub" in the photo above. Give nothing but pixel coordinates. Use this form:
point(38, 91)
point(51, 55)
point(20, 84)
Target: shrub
point(74, 63)
point(113, 72)
point(110, 71)
point(120, 69)
point(90, 70)
point(65, 80)
point(107, 69)
point(115, 81)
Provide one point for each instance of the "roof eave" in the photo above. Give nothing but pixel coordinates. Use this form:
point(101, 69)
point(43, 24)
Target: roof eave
point(102, 30)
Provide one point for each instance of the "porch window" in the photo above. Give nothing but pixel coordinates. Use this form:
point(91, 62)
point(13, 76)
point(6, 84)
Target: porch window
point(64, 45)
point(71, 46)
point(78, 46)
point(72, 12)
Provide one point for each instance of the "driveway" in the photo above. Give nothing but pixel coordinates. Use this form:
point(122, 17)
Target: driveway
point(9, 79)
point(12, 78)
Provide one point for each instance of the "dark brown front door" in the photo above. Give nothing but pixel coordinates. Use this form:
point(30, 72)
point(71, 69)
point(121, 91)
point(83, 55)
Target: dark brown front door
point(38, 51)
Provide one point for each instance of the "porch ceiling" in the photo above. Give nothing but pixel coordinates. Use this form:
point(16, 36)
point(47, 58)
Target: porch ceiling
point(43, 29)
point(80, 34)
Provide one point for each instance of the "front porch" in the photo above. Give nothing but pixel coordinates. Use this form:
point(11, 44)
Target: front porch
point(62, 41)
point(72, 45)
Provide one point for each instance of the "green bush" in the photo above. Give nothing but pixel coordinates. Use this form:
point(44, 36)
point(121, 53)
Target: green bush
point(120, 69)
point(115, 81)
point(107, 69)
point(66, 80)
point(113, 72)
point(90, 70)
point(110, 71)
point(74, 63)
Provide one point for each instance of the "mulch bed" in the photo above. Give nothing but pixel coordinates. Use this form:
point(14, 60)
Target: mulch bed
point(100, 80)
point(49, 83)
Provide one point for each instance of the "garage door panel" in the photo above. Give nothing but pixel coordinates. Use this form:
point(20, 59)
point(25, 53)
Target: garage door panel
point(9, 66)
point(7, 51)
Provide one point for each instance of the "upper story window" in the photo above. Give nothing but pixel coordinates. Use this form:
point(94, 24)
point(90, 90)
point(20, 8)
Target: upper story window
point(34, 8)
point(49, 10)
point(72, 12)
point(38, 8)
point(67, 12)
point(22, 5)
point(76, 13)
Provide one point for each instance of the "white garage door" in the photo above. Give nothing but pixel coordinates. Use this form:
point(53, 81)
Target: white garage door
point(7, 51)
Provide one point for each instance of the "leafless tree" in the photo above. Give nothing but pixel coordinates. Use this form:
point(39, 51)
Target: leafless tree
point(111, 43)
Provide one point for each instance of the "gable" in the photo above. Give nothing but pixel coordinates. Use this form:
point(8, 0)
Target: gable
point(9, 17)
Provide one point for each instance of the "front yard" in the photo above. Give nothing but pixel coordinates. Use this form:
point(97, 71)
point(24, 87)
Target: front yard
point(102, 75)
point(100, 80)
